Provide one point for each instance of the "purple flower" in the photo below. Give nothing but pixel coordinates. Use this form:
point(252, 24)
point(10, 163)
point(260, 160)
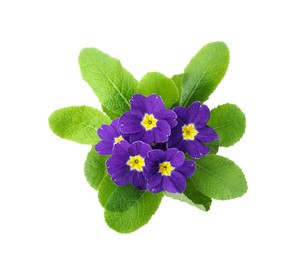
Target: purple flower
point(191, 131)
point(110, 136)
point(148, 120)
point(127, 164)
point(168, 170)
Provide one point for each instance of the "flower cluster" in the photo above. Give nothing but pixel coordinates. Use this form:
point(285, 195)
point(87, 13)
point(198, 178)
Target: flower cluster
point(148, 144)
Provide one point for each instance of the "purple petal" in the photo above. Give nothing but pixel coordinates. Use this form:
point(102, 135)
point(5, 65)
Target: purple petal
point(195, 149)
point(193, 111)
point(155, 189)
point(130, 123)
point(148, 136)
point(202, 117)
point(187, 169)
point(115, 164)
point(174, 156)
point(121, 150)
point(169, 116)
point(175, 183)
point(104, 148)
point(115, 124)
point(154, 157)
point(139, 181)
point(181, 114)
point(175, 138)
point(153, 177)
point(139, 148)
point(153, 104)
point(206, 134)
point(107, 132)
point(137, 104)
point(122, 177)
point(126, 137)
point(162, 131)
point(136, 137)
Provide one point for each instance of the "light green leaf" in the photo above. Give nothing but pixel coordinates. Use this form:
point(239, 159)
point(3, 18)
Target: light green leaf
point(113, 85)
point(219, 178)
point(204, 72)
point(78, 123)
point(106, 188)
point(128, 209)
point(157, 83)
point(178, 81)
point(95, 168)
point(229, 122)
point(112, 115)
point(192, 196)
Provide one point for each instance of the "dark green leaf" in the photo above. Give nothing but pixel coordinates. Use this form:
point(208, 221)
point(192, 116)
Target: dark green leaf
point(192, 196)
point(196, 196)
point(214, 146)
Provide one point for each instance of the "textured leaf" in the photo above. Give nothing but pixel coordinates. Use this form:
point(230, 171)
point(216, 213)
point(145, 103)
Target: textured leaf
point(204, 72)
point(219, 178)
point(128, 209)
point(106, 188)
point(192, 196)
point(78, 123)
point(229, 122)
point(113, 85)
point(157, 83)
point(95, 168)
point(110, 114)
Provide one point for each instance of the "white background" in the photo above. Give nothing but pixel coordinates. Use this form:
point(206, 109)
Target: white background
point(48, 211)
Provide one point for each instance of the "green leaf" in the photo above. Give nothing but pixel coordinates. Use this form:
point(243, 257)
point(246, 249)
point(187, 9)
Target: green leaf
point(178, 81)
point(204, 72)
point(219, 178)
point(95, 168)
point(214, 146)
point(128, 209)
point(157, 83)
point(229, 122)
point(106, 188)
point(199, 199)
point(113, 85)
point(78, 123)
point(111, 114)
point(192, 196)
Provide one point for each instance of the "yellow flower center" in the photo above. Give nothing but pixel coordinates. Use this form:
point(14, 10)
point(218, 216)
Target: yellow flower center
point(136, 163)
point(189, 132)
point(149, 121)
point(165, 168)
point(118, 139)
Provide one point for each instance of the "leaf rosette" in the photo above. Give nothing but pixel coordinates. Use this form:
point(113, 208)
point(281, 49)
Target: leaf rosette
point(156, 137)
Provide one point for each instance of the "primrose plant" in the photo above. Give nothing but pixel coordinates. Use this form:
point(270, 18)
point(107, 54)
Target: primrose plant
point(155, 137)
